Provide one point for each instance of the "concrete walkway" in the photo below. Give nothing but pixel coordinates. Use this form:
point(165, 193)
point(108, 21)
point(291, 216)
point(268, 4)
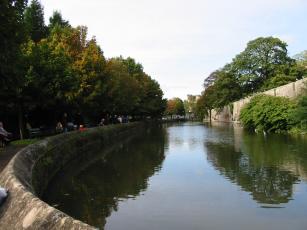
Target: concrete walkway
point(7, 153)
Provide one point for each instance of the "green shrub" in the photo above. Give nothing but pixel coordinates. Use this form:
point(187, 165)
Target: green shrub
point(301, 113)
point(268, 113)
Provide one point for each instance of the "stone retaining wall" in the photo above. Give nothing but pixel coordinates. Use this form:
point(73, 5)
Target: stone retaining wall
point(228, 114)
point(29, 172)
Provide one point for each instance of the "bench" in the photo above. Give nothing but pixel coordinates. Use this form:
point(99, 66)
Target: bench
point(4, 140)
point(34, 132)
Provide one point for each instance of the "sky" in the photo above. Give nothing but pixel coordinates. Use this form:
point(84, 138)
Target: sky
point(180, 42)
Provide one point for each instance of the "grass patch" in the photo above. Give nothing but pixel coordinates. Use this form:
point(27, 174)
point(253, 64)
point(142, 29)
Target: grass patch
point(25, 142)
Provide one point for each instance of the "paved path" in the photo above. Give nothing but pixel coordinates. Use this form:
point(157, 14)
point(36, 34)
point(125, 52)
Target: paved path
point(7, 153)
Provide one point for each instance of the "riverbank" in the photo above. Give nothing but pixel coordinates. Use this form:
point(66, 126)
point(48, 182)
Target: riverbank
point(8, 152)
point(232, 112)
point(29, 172)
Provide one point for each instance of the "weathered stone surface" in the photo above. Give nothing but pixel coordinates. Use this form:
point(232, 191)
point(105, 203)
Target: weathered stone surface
point(228, 114)
point(29, 172)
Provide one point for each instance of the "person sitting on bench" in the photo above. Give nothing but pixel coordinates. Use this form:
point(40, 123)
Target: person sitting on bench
point(4, 135)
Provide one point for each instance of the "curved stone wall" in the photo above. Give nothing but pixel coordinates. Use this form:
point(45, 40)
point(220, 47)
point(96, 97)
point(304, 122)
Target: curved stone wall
point(29, 172)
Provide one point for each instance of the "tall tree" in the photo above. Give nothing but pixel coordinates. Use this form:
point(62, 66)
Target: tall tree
point(226, 89)
point(175, 106)
point(57, 20)
point(34, 21)
point(122, 88)
point(301, 60)
point(12, 35)
point(261, 60)
point(150, 96)
point(207, 102)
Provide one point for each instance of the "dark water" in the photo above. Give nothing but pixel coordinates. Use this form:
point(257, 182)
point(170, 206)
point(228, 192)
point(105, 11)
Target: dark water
point(190, 176)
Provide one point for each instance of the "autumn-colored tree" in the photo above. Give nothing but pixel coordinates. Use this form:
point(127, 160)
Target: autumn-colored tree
point(65, 71)
point(175, 106)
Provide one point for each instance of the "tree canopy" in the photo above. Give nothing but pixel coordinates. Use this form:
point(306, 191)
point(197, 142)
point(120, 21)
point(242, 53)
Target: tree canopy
point(34, 21)
point(175, 106)
point(12, 34)
point(57, 20)
point(46, 71)
point(261, 60)
point(264, 64)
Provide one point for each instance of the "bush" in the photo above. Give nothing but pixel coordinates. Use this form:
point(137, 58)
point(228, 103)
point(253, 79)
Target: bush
point(301, 113)
point(268, 113)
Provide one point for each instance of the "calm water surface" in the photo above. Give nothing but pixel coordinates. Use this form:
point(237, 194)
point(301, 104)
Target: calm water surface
point(189, 176)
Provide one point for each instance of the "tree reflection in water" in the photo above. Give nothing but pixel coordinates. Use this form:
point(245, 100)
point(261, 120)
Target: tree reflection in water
point(97, 188)
point(265, 167)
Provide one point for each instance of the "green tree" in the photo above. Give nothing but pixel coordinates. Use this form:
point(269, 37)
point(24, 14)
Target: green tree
point(226, 89)
point(301, 67)
point(122, 88)
point(12, 35)
point(57, 20)
point(207, 102)
point(49, 76)
point(175, 106)
point(301, 112)
point(278, 80)
point(150, 96)
point(260, 61)
point(34, 21)
point(64, 71)
point(301, 57)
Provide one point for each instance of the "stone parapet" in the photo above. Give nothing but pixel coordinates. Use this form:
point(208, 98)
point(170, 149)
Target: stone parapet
point(29, 172)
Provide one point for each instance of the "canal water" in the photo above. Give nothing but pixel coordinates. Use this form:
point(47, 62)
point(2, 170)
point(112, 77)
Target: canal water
point(189, 176)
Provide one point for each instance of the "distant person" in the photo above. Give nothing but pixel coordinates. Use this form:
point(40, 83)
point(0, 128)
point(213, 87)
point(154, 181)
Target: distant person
point(64, 122)
point(79, 120)
point(102, 122)
point(120, 119)
point(59, 127)
point(114, 119)
point(82, 128)
point(125, 119)
point(5, 136)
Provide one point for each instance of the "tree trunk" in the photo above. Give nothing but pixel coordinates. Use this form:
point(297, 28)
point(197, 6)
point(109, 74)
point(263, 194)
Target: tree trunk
point(210, 116)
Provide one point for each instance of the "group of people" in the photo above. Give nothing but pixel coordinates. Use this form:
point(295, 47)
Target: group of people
point(66, 125)
point(113, 120)
point(5, 136)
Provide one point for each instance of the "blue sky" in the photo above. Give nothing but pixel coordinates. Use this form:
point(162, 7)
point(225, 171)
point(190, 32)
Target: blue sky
point(180, 42)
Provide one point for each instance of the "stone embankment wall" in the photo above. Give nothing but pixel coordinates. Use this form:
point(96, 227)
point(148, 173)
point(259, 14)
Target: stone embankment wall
point(29, 172)
point(232, 113)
